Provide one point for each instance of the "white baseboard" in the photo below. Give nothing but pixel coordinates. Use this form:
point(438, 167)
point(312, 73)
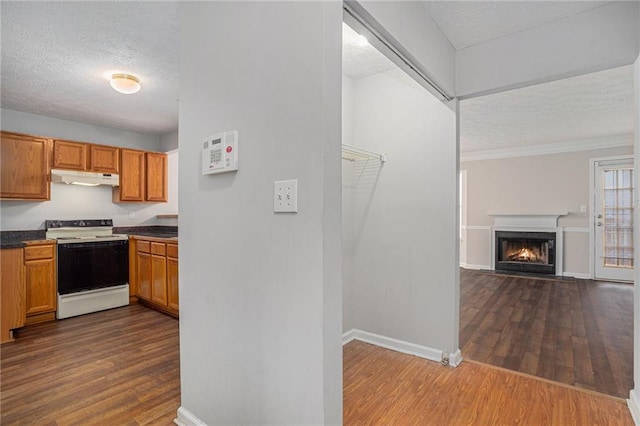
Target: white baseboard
point(634, 406)
point(579, 275)
point(476, 267)
point(398, 345)
point(186, 418)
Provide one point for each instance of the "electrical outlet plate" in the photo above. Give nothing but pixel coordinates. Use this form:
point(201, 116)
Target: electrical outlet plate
point(285, 196)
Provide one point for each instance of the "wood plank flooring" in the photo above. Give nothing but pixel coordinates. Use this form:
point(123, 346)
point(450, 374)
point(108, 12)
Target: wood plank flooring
point(578, 332)
point(116, 367)
point(383, 387)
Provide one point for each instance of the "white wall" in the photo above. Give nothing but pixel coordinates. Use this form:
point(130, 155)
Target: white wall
point(597, 39)
point(532, 184)
point(79, 202)
point(348, 185)
point(41, 125)
point(260, 316)
point(418, 37)
point(404, 224)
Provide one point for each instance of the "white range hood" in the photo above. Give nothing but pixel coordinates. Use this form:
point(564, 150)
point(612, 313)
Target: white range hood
point(84, 178)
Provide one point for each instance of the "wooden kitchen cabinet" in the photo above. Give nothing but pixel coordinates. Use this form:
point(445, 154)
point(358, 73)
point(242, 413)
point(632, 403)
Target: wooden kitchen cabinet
point(142, 272)
point(12, 292)
point(155, 274)
point(24, 172)
point(156, 175)
point(104, 159)
point(143, 177)
point(40, 281)
point(172, 277)
point(69, 155)
point(132, 176)
point(85, 157)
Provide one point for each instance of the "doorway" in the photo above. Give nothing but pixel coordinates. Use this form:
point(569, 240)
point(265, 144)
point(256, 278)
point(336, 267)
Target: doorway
point(613, 219)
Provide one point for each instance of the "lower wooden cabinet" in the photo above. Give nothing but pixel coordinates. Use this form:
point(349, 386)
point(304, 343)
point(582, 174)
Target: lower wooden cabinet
point(40, 282)
point(12, 292)
point(154, 274)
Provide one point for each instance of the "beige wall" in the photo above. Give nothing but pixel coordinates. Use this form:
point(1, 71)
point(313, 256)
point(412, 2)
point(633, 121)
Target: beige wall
point(534, 184)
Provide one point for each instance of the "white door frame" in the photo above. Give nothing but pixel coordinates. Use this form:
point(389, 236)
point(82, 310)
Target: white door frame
point(592, 205)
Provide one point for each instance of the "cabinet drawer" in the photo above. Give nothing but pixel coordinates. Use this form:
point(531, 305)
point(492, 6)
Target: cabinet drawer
point(39, 252)
point(158, 248)
point(143, 246)
point(172, 250)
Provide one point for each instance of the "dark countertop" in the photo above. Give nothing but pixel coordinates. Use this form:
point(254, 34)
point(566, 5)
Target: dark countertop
point(148, 231)
point(17, 239)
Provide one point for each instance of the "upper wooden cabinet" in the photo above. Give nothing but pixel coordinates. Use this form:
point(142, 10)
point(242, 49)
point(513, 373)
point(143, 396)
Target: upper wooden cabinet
point(69, 155)
point(132, 176)
point(156, 177)
point(24, 174)
point(104, 159)
point(143, 176)
point(85, 157)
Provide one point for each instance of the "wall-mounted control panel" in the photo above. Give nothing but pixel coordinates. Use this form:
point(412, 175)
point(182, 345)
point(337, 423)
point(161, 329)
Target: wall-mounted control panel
point(220, 153)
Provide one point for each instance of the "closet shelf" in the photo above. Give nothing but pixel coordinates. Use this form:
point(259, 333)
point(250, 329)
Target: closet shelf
point(353, 153)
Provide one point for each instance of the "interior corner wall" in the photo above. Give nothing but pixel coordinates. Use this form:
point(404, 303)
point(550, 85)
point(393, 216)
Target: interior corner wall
point(404, 221)
point(597, 39)
point(635, 392)
point(260, 293)
point(532, 184)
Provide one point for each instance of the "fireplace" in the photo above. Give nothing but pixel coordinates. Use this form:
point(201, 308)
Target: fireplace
point(524, 251)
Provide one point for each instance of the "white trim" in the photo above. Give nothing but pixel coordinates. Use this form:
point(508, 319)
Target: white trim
point(455, 358)
point(477, 227)
point(634, 406)
point(579, 275)
point(186, 418)
point(348, 336)
point(583, 230)
point(527, 220)
point(476, 267)
point(604, 142)
point(396, 345)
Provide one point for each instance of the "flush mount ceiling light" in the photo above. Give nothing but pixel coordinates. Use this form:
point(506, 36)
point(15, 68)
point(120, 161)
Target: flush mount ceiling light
point(125, 83)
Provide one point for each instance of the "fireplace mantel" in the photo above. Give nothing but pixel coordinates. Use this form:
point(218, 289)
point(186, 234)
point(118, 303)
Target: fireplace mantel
point(527, 220)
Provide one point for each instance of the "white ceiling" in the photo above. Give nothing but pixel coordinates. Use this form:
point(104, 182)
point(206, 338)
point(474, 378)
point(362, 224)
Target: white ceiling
point(56, 57)
point(467, 23)
point(578, 108)
point(361, 60)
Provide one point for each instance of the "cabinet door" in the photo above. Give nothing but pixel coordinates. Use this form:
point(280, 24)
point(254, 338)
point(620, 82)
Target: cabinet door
point(41, 287)
point(103, 159)
point(172, 283)
point(156, 177)
point(144, 275)
point(69, 155)
point(132, 175)
point(24, 172)
point(159, 280)
point(12, 294)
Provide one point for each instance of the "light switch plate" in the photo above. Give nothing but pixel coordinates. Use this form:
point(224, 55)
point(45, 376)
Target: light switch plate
point(285, 196)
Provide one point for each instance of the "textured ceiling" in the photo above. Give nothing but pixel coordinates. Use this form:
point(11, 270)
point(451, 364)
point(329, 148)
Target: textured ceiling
point(582, 107)
point(361, 61)
point(56, 57)
point(467, 23)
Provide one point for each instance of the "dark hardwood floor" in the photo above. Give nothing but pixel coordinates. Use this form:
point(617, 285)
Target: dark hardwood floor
point(578, 332)
point(383, 387)
point(114, 367)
